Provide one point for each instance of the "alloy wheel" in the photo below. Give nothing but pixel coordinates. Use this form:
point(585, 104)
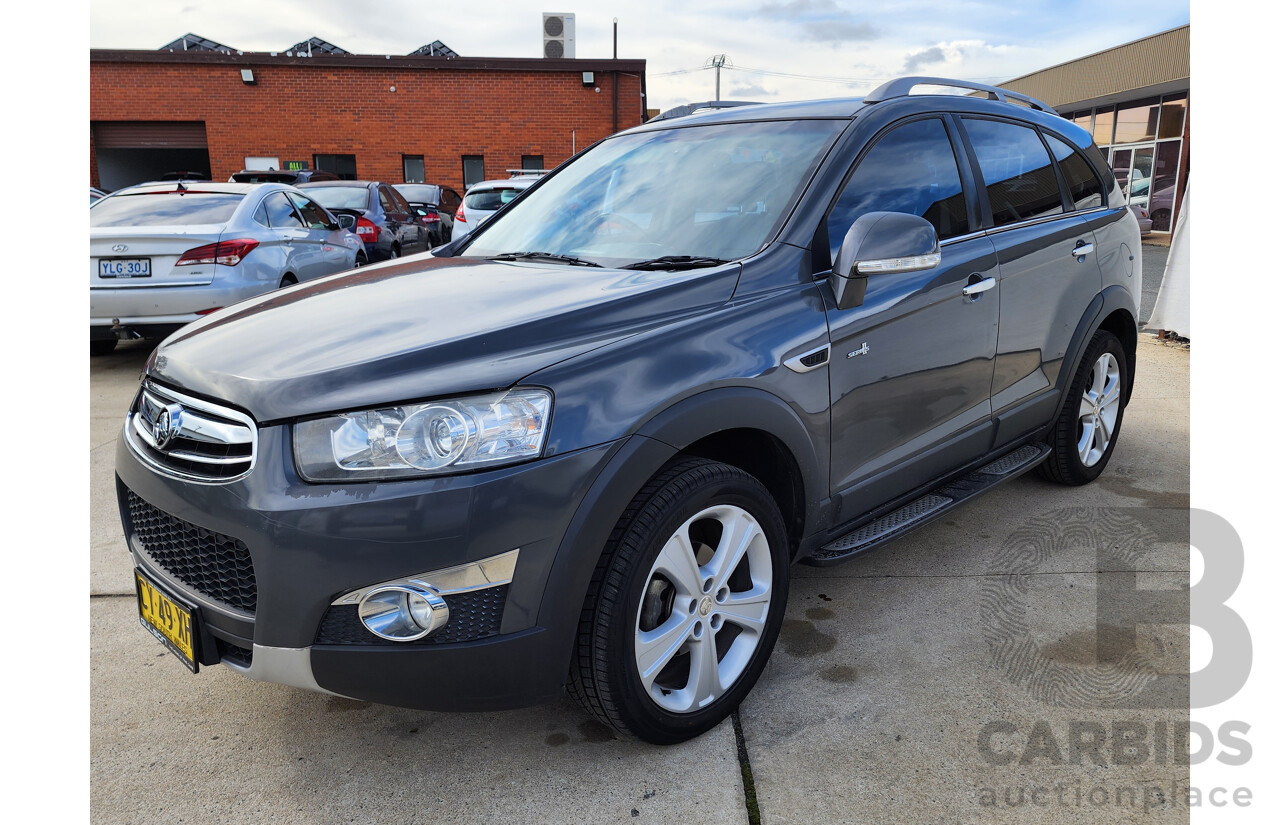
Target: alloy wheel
point(1099, 409)
point(704, 609)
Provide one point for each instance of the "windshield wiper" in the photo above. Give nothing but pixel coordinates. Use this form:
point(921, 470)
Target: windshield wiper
point(676, 262)
point(543, 256)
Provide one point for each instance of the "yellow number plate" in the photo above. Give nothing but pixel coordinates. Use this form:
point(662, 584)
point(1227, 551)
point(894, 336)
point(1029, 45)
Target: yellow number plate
point(168, 621)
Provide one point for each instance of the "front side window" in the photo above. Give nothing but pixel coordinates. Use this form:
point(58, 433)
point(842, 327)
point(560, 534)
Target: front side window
point(280, 212)
point(312, 215)
point(911, 169)
point(716, 191)
point(1083, 184)
point(1015, 166)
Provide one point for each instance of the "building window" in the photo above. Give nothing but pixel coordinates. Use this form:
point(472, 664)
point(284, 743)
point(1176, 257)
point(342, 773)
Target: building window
point(1136, 122)
point(344, 166)
point(1102, 124)
point(1173, 114)
point(531, 162)
point(415, 169)
point(472, 170)
point(261, 163)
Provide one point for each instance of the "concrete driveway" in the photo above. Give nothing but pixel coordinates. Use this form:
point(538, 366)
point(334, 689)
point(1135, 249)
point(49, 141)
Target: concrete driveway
point(987, 668)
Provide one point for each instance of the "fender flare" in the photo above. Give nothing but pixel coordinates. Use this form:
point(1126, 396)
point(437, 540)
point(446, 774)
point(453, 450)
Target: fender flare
point(639, 457)
point(1103, 304)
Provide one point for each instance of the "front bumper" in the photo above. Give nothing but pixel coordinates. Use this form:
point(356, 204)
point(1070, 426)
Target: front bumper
point(311, 544)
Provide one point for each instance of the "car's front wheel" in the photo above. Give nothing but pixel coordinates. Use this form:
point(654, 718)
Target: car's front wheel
point(685, 605)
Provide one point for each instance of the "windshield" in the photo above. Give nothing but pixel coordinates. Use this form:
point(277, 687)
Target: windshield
point(165, 209)
point(706, 191)
point(340, 197)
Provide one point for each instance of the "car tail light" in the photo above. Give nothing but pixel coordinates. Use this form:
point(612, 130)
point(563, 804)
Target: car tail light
point(209, 311)
point(227, 253)
point(432, 216)
point(366, 230)
point(460, 217)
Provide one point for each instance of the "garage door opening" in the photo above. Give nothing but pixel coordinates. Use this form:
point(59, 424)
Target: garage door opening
point(135, 152)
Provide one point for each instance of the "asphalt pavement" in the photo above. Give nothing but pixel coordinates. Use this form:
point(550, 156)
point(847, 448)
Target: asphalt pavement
point(986, 668)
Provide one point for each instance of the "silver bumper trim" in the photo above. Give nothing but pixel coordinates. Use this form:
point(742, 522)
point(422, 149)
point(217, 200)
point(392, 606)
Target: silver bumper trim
point(477, 575)
point(283, 665)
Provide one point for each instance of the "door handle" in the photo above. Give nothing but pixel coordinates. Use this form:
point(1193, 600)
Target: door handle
point(979, 287)
point(1081, 249)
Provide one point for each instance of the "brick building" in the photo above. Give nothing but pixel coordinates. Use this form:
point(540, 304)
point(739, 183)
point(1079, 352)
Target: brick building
point(450, 120)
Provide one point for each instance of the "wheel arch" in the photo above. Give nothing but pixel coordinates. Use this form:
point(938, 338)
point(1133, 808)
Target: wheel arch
point(715, 424)
point(1112, 309)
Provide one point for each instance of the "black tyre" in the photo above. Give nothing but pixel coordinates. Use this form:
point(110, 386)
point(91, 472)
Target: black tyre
point(102, 346)
point(395, 251)
point(287, 280)
point(361, 260)
point(685, 604)
point(1086, 431)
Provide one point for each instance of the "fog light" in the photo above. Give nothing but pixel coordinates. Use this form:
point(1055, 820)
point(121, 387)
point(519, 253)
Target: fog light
point(403, 612)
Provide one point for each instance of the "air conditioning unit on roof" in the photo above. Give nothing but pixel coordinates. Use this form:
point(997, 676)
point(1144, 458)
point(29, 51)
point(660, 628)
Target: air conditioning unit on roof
point(558, 35)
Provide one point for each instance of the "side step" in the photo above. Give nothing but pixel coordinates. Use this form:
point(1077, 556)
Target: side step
point(929, 506)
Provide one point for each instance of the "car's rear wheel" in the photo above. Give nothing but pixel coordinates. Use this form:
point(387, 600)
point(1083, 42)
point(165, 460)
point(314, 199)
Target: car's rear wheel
point(102, 346)
point(361, 259)
point(1086, 431)
point(685, 605)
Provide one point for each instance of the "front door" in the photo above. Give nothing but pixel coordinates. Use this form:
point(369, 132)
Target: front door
point(911, 368)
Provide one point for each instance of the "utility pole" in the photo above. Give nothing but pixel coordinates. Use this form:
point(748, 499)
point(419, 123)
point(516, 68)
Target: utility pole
point(715, 63)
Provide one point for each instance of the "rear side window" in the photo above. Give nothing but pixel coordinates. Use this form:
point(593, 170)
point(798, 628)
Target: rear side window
point(280, 212)
point(1021, 183)
point(1083, 184)
point(388, 202)
point(166, 209)
point(911, 169)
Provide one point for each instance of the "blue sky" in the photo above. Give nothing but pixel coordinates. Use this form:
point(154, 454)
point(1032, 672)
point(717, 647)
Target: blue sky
point(779, 49)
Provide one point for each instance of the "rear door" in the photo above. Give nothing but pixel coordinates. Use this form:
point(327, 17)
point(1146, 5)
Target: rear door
point(325, 256)
point(1048, 268)
point(911, 368)
point(301, 257)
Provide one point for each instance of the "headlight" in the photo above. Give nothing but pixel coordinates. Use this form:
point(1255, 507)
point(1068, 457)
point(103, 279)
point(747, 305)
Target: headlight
point(435, 438)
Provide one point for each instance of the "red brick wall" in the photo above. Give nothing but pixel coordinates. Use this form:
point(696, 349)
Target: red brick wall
point(295, 112)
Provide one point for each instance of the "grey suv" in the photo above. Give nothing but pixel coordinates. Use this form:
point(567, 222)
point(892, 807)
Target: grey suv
point(584, 445)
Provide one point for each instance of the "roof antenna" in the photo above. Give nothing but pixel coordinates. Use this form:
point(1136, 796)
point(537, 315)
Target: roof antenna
point(181, 188)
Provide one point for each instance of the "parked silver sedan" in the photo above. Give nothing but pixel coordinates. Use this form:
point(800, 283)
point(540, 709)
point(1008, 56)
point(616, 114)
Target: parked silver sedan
point(164, 254)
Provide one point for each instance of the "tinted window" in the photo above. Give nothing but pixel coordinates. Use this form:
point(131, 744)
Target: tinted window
point(280, 212)
point(420, 192)
point(398, 200)
point(472, 170)
point(312, 215)
point(344, 166)
point(167, 209)
point(491, 199)
point(260, 214)
point(340, 197)
point(912, 169)
point(1086, 190)
point(414, 169)
point(1020, 180)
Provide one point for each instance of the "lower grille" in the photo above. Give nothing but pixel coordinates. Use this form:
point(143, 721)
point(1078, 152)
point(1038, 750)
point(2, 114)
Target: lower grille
point(473, 615)
point(233, 654)
point(210, 563)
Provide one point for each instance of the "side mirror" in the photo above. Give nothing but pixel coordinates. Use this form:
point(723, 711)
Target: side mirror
point(881, 243)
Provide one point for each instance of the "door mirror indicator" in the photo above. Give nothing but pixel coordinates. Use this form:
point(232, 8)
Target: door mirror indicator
point(881, 243)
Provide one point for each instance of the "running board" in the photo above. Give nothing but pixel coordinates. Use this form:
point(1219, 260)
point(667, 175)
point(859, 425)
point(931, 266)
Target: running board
point(929, 506)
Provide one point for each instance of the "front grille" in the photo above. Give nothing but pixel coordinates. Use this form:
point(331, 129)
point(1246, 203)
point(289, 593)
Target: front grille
point(473, 615)
point(210, 563)
point(190, 438)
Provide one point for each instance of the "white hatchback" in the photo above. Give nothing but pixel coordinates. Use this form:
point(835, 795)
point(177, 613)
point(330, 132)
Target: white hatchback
point(164, 254)
point(486, 198)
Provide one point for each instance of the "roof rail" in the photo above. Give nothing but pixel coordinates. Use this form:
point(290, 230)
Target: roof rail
point(902, 86)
